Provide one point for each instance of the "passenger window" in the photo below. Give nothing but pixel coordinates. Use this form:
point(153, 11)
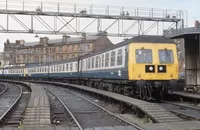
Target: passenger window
point(54, 68)
point(119, 57)
point(97, 62)
point(82, 65)
point(51, 68)
point(60, 68)
point(67, 67)
point(86, 63)
point(107, 60)
point(89, 63)
point(63, 67)
point(103, 60)
point(76, 66)
point(112, 61)
point(71, 66)
point(143, 56)
point(92, 62)
point(57, 68)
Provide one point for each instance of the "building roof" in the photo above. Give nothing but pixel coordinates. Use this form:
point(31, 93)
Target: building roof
point(60, 41)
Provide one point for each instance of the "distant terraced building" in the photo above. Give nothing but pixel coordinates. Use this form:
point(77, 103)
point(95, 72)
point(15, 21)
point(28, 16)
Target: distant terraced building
point(47, 50)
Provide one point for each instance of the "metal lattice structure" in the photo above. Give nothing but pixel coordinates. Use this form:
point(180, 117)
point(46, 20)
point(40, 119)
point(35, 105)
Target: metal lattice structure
point(74, 19)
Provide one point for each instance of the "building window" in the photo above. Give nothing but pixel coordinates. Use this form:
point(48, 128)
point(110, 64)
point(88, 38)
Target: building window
point(107, 60)
point(78, 48)
point(119, 57)
point(60, 49)
point(112, 60)
point(73, 47)
point(42, 50)
point(102, 60)
point(61, 57)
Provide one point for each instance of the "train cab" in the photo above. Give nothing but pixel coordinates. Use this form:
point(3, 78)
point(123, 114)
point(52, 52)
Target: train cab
point(154, 65)
point(153, 61)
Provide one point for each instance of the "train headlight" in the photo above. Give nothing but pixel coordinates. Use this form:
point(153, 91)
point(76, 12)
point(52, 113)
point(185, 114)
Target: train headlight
point(160, 68)
point(151, 68)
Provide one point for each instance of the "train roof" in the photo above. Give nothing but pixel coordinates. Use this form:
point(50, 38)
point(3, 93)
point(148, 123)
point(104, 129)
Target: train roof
point(151, 39)
point(13, 67)
point(155, 39)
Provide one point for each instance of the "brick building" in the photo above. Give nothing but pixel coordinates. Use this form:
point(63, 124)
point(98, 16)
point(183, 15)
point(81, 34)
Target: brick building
point(47, 50)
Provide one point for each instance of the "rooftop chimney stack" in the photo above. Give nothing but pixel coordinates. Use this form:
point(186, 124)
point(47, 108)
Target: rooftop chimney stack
point(65, 38)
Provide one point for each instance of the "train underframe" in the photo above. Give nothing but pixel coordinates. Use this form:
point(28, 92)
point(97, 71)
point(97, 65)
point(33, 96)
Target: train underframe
point(145, 90)
point(142, 89)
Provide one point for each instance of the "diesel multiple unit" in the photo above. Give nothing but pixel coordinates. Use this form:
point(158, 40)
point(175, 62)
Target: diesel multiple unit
point(144, 66)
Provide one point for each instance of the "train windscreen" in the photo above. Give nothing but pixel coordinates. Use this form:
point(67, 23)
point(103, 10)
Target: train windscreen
point(143, 55)
point(166, 56)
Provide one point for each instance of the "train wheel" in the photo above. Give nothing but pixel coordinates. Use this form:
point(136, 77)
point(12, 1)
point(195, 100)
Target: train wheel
point(149, 92)
point(159, 93)
point(144, 93)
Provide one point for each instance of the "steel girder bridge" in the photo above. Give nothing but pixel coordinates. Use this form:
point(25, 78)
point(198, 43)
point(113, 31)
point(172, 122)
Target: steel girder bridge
point(76, 19)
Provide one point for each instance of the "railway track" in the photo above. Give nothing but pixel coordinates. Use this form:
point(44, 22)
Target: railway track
point(85, 113)
point(8, 99)
point(185, 110)
point(152, 110)
point(16, 115)
point(59, 115)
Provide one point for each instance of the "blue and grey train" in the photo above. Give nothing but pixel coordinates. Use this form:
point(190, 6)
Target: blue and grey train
point(144, 66)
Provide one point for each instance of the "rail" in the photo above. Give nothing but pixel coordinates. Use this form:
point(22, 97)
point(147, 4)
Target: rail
point(188, 110)
point(4, 89)
point(6, 112)
point(137, 127)
point(71, 114)
point(154, 111)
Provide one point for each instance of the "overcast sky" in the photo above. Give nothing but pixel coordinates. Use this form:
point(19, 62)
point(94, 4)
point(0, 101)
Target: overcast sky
point(192, 6)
